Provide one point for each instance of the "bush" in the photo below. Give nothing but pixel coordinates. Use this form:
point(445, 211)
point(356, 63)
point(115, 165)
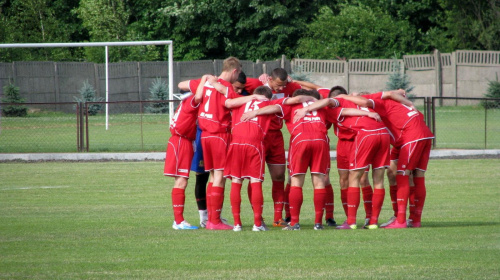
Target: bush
point(159, 91)
point(11, 93)
point(492, 92)
point(87, 94)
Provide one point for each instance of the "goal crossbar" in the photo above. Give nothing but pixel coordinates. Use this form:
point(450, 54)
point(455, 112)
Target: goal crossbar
point(112, 44)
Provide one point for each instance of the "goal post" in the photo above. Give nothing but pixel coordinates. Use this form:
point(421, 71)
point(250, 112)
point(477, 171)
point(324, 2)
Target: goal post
point(112, 44)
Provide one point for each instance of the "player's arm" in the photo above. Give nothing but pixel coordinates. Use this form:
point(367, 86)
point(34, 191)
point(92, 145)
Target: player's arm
point(184, 86)
point(351, 112)
point(300, 113)
point(239, 101)
point(298, 99)
point(398, 96)
point(307, 85)
point(199, 91)
point(268, 110)
point(213, 81)
point(358, 100)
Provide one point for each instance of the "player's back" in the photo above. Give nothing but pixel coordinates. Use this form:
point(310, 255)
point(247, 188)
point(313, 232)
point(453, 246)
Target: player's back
point(184, 119)
point(254, 129)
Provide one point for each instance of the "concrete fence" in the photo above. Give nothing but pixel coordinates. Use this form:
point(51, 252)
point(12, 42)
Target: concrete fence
point(457, 74)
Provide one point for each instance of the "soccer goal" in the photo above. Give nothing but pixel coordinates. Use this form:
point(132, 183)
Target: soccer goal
point(107, 45)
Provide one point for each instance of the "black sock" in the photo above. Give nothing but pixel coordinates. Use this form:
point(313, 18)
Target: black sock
point(200, 190)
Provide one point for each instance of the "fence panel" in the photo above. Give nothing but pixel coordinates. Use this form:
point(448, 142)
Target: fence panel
point(42, 131)
point(463, 123)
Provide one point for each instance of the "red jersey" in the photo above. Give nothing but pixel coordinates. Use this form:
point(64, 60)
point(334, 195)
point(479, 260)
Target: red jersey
point(406, 125)
point(213, 115)
point(313, 123)
point(184, 119)
point(360, 122)
point(253, 83)
point(341, 131)
point(254, 129)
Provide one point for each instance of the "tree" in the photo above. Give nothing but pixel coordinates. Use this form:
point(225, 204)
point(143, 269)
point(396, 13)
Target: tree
point(398, 79)
point(356, 32)
point(11, 93)
point(87, 94)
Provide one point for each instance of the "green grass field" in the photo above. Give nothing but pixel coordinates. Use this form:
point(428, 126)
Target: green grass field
point(462, 127)
point(112, 220)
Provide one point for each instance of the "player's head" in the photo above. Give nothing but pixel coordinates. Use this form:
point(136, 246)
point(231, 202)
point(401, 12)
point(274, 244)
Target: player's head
point(263, 90)
point(232, 67)
point(313, 93)
point(336, 90)
point(278, 79)
point(239, 84)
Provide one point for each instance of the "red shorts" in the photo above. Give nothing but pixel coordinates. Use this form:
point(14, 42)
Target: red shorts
point(274, 146)
point(215, 147)
point(344, 148)
point(394, 153)
point(178, 157)
point(245, 159)
point(313, 154)
point(414, 155)
point(370, 148)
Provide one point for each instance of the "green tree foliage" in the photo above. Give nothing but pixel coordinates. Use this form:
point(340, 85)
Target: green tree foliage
point(356, 32)
point(87, 94)
point(466, 24)
point(492, 92)
point(11, 95)
point(398, 79)
point(158, 91)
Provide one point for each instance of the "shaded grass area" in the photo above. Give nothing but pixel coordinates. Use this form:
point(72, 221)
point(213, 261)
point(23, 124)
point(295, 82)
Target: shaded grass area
point(113, 220)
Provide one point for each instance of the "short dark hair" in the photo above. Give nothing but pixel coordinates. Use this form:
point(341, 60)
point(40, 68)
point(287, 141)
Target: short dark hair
point(263, 90)
point(313, 93)
point(279, 73)
point(336, 90)
point(242, 78)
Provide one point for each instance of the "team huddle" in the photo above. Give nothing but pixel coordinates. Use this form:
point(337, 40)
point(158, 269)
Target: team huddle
point(229, 127)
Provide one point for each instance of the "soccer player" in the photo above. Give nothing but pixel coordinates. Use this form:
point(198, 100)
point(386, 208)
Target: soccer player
point(274, 143)
point(245, 157)
point(370, 147)
point(214, 119)
point(179, 154)
point(413, 139)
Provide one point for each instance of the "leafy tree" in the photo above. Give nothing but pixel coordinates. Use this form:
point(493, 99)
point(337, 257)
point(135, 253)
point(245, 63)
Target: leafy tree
point(467, 24)
point(11, 93)
point(356, 32)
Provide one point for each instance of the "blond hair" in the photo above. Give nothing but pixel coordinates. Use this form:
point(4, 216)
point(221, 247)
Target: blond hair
point(231, 63)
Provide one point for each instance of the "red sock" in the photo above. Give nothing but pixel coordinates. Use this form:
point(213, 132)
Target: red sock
point(329, 207)
point(343, 198)
point(209, 201)
point(257, 203)
point(403, 193)
point(296, 198)
point(287, 201)
point(217, 202)
point(235, 196)
point(278, 193)
point(352, 204)
point(420, 194)
point(377, 202)
point(178, 198)
point(319, 204)
point(367, 200)
point(393, 191)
